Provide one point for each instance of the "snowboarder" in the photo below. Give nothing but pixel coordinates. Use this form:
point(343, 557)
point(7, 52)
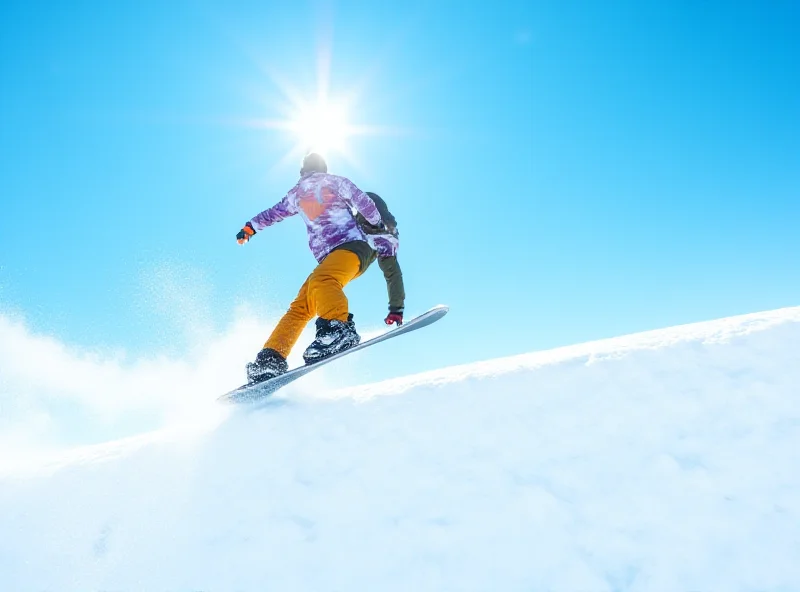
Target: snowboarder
point(338, 242)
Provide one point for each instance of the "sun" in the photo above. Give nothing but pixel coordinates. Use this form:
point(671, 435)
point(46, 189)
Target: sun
point(321, 127)
point(318, 121)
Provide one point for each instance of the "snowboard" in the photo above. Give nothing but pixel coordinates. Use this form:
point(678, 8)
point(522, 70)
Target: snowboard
point(250, 393)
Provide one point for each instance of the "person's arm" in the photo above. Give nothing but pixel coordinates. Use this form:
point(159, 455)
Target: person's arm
point(383, 209)
point(362, 202)
point(394, 287)
point(282, 209)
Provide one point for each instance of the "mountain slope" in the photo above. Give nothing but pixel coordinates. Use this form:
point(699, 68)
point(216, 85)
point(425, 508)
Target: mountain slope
point(660, 461)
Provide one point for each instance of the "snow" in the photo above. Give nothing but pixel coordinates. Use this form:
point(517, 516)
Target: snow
point(664, 461)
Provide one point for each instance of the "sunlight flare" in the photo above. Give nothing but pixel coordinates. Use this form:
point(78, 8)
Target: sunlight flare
point(322, 128)
point(318, 120)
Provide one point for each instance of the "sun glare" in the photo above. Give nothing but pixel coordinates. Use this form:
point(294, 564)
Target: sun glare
point(321, 128)
point(320, 124)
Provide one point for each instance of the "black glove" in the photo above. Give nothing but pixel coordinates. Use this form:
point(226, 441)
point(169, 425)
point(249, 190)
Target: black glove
point(245, 233)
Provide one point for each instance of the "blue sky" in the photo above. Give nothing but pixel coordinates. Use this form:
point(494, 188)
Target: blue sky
point(561, 172)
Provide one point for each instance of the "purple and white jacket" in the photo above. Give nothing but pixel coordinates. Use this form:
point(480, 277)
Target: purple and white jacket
point(327, 204)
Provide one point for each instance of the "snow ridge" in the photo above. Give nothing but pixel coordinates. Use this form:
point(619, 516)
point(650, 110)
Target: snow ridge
point(660, 461)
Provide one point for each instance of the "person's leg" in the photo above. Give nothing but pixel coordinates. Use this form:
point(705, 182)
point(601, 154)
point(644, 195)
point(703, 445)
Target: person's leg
point(271, 360)
point(336, 331)
point(291, 325)
point(326, 296)
point(321, 295)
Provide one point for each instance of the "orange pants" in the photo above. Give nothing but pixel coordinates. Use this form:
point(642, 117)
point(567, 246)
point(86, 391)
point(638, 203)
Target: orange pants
point(321, 295)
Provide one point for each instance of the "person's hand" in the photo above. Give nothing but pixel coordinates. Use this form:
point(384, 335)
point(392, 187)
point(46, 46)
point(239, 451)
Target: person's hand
point(245, 233)
point(394, 317)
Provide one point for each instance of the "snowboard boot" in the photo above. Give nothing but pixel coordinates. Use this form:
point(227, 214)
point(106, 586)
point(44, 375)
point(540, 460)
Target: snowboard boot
point(333, 337)
point(268, 364)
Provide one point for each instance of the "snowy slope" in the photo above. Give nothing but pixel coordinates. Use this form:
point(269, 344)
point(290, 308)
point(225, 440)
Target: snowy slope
point(662, 461)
